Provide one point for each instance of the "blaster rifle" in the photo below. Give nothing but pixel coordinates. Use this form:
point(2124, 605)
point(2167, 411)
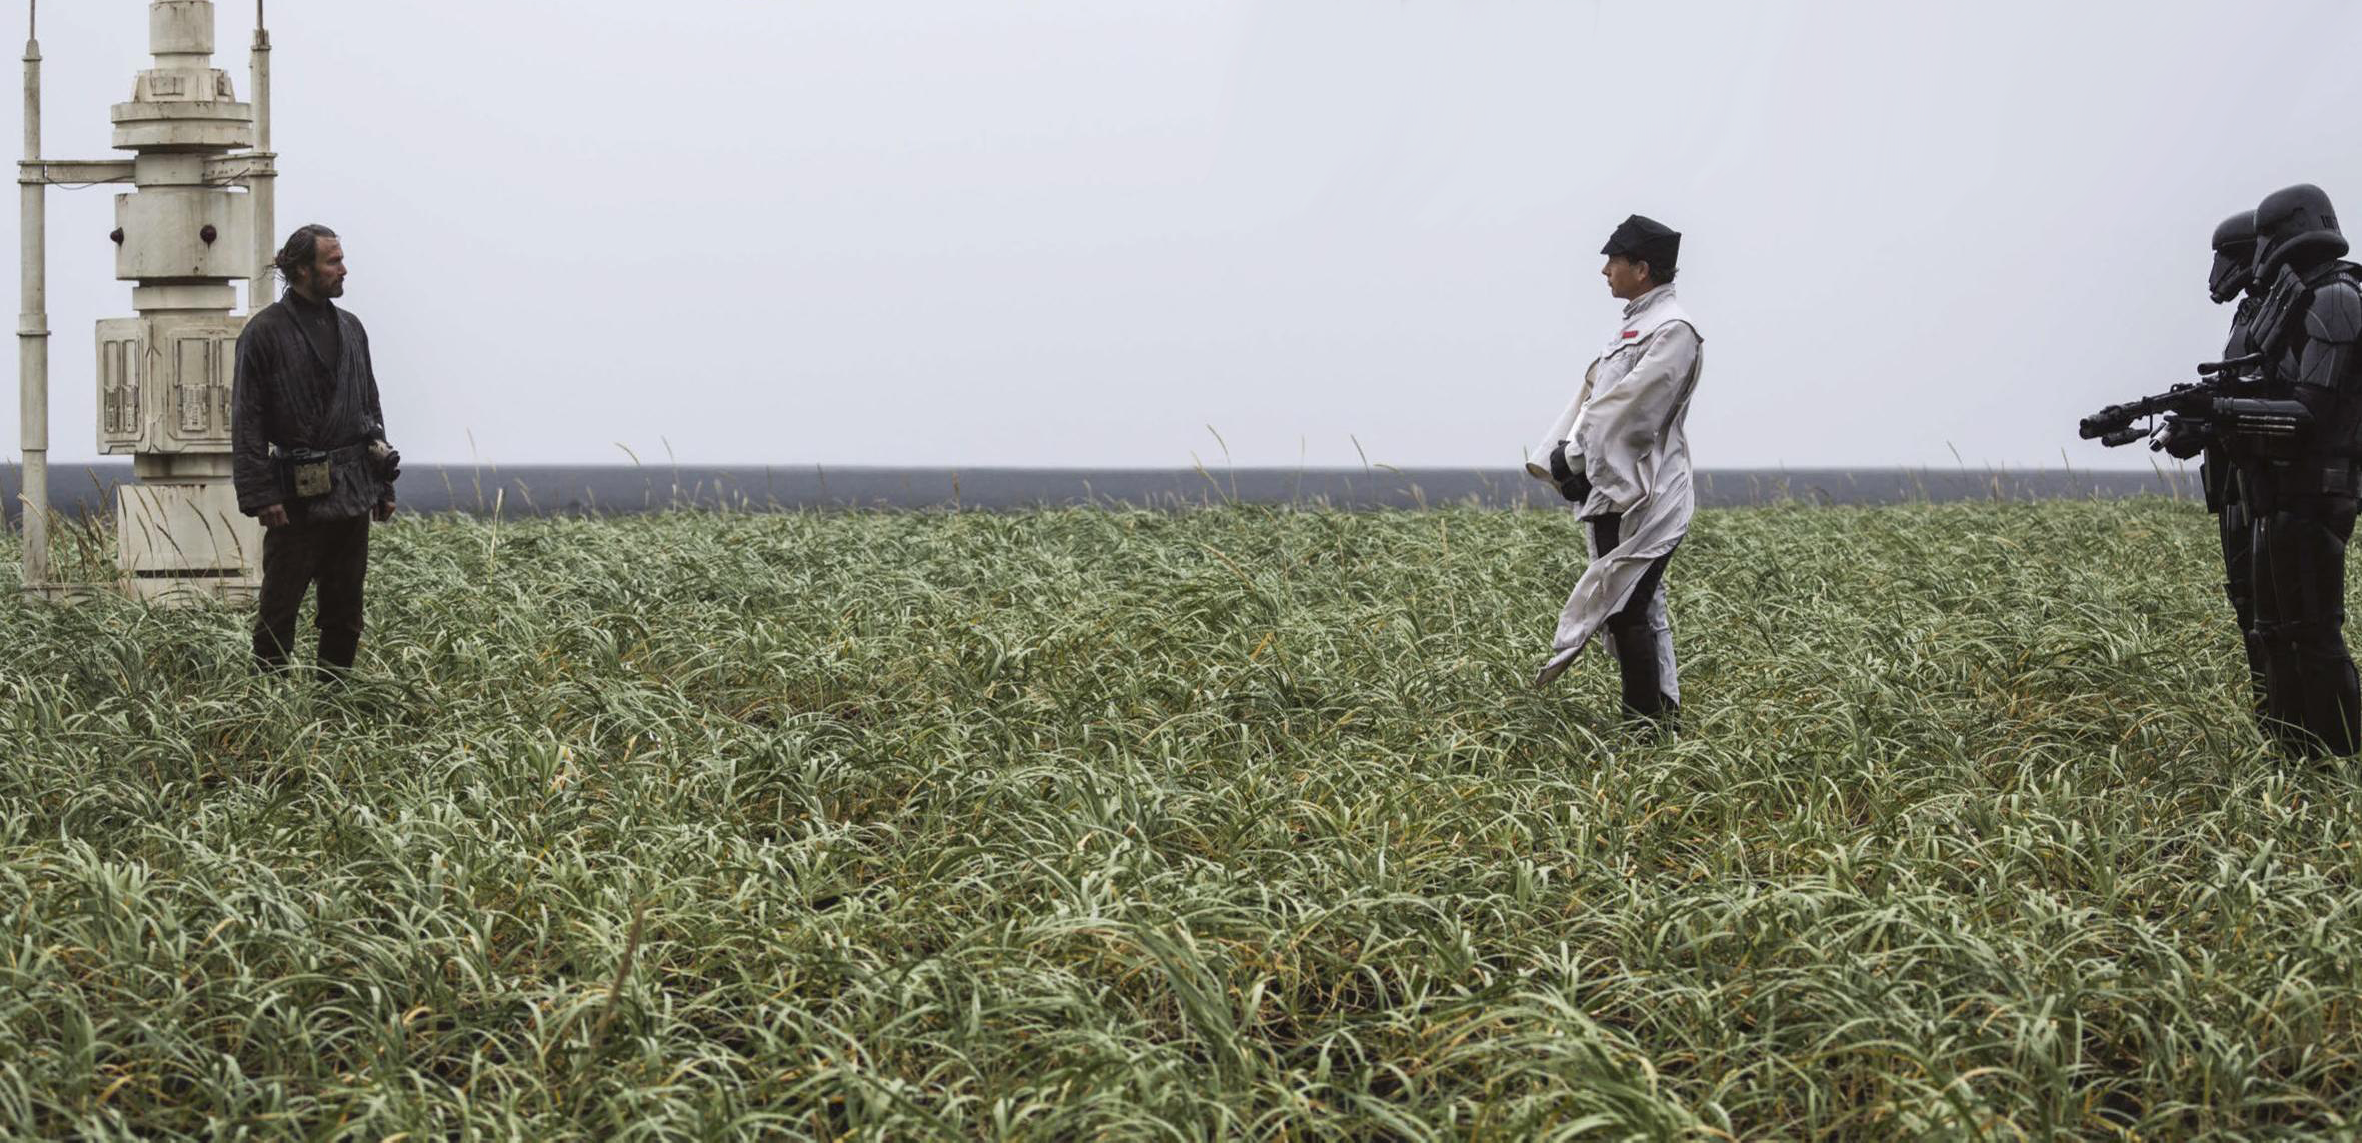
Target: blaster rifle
point(2203, 411)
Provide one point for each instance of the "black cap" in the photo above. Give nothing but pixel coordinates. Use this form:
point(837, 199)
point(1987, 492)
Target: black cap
point(1644, 239)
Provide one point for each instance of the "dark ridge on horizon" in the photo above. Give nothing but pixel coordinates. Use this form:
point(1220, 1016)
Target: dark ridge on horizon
point(527, 490)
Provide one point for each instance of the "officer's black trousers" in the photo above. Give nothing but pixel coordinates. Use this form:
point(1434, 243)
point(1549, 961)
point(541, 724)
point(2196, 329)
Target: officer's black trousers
point(1639, 634)
point(332, 553)
point(2312, 699)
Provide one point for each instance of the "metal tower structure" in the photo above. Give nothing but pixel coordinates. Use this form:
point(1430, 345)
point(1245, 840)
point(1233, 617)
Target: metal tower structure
point(164, 377)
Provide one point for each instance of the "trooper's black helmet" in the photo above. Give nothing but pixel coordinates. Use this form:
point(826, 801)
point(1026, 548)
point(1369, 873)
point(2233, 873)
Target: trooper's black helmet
point(2295, 226)
point(2234, 257)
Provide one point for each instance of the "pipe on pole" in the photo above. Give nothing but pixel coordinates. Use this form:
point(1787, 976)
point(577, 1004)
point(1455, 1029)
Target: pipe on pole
point(262, 190)
point(32, 329)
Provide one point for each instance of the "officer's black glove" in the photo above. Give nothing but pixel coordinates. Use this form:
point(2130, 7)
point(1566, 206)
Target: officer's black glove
point(1572, 483)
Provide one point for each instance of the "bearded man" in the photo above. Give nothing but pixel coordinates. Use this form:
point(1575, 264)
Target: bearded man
point(309, 456)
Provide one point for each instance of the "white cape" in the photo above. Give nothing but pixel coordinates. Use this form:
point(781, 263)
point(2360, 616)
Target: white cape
point(1628, 426)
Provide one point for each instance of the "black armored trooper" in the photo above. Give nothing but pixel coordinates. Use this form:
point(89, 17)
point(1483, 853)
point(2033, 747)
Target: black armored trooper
point(2308, 327)
point(2233, 276)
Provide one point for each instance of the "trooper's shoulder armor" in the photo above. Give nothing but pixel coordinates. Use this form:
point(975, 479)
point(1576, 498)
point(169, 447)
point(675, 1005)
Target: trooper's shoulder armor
point(2334, 314)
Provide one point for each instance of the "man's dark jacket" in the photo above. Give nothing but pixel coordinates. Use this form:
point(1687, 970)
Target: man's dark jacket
point(288, 393)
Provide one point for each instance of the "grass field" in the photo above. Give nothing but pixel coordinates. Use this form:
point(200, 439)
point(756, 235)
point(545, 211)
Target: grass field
point(1239, 823)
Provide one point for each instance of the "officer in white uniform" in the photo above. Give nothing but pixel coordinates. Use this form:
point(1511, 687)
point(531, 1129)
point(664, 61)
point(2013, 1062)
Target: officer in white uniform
point(1621, 453)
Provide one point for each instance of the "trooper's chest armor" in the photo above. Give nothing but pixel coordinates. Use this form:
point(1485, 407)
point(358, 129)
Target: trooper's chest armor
point(2242, 342)
point(2312, 341)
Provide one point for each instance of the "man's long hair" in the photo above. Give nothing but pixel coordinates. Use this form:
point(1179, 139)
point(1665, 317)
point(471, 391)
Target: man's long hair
point(302, 251)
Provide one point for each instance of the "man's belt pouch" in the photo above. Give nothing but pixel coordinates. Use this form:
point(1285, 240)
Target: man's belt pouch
point(309, 470)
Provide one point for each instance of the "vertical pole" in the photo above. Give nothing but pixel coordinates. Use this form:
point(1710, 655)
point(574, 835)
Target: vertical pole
point(32, 329)
point(262, 191)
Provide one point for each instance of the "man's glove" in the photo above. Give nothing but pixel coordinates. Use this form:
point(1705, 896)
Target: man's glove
point(1571, 481)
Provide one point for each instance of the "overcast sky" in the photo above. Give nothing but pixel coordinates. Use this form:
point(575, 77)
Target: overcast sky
point(1079, 232)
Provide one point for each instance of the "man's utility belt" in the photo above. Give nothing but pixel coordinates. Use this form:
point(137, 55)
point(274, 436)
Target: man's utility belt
point(311, 472)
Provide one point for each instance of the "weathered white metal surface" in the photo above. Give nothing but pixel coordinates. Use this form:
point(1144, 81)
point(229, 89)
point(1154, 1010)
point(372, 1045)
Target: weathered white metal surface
point(164, 383)
point(186, 531)
point(262, 176)
point(32, 330)
point(241, 169)
point(164, 377)
point(166, 239)
point(74, 173)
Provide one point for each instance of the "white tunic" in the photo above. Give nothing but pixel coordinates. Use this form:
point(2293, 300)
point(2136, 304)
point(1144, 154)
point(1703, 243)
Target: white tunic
point(1627, 426)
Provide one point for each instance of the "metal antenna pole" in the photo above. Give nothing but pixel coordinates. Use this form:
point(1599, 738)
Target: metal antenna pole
point(32, 328)
point(262, 189)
